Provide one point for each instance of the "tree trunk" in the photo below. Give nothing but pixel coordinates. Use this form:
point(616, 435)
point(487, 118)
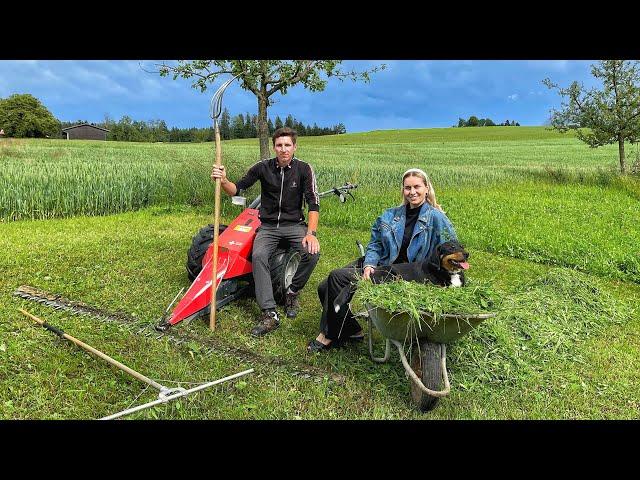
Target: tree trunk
point(623, 168)
point(263, 127)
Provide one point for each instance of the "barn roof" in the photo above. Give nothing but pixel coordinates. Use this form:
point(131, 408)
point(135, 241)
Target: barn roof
point(85, 125)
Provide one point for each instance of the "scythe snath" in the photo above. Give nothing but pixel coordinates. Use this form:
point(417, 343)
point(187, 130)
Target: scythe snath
point(216, 110)
point(166, 394)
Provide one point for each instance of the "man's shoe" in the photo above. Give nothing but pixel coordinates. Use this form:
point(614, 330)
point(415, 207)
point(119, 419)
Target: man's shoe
point(291, 304)
point(268, 321)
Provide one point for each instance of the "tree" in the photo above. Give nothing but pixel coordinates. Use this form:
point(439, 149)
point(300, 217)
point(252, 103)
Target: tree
point(489, 123)
point(279, 123)
point(23, 115)
point(237, 126)
point(248, 127)
point(271, 127)
point(602, 116)
point(225, 125)
point(264, 78)
point(340, 129)
point(473, 121)
point(289, 121)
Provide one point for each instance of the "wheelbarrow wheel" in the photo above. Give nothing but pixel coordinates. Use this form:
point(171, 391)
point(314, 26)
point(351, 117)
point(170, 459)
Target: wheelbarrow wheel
point(426, 365)
point(199, 246)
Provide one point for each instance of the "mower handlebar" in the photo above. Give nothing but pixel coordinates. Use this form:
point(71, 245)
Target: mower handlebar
point(340, 191)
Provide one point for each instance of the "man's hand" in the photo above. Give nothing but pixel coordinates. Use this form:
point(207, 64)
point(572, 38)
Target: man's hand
point(219, 172)
point(311, 243)
point(367, 272)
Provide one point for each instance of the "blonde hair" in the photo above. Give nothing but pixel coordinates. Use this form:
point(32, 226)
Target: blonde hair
point(431, 193)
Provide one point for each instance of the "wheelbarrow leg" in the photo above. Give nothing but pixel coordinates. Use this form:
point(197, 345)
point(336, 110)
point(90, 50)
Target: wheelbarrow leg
point(387, 350)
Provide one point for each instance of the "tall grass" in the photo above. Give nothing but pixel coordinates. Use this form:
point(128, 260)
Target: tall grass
point(525, 192)
point(57, 178)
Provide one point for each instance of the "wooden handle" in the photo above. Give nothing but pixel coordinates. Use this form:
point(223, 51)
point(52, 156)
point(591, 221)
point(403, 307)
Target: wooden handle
point(90, 349)
point(216, 225)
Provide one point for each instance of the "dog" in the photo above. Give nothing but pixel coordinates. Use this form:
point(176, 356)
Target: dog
point(444, 267)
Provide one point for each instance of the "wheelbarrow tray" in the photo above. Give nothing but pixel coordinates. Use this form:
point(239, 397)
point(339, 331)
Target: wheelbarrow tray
point(443, 328)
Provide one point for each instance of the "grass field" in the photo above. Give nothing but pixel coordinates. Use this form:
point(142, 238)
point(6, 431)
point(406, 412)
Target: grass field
point(109, 224)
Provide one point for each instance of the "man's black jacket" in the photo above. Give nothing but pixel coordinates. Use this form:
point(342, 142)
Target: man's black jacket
point(283, 190)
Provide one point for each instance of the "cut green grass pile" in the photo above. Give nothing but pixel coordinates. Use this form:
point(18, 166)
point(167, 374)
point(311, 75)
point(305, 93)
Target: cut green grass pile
point(419, 299)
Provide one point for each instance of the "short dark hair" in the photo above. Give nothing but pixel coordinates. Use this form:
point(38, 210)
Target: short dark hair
point(285, 132)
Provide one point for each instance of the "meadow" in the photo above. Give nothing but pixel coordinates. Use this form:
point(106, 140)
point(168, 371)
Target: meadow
point(109, 223)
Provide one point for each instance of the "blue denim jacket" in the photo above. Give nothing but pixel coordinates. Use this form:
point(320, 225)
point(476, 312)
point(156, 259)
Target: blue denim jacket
point(432, 228)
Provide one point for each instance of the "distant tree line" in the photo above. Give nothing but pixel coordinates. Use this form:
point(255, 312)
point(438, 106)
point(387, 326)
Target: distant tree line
point(484, 122)
point(240, 126)
point(246, 126)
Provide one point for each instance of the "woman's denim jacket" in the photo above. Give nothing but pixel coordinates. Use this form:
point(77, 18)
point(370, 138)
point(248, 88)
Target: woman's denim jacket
point(432, 228)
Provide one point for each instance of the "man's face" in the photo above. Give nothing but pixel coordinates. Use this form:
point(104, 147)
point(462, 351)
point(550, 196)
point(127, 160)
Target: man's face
point(285, 148)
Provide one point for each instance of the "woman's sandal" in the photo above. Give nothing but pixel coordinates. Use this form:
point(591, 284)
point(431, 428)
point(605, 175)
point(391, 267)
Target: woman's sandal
point(315, 346)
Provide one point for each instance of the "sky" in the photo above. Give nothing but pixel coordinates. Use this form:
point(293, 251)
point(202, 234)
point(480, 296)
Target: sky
point(407, 94)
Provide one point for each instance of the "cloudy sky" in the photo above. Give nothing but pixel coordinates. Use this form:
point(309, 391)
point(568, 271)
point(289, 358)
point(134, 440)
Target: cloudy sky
point(408, 94)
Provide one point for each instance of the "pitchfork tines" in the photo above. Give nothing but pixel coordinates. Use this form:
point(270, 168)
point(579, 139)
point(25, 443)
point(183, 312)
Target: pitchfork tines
point(216, 101)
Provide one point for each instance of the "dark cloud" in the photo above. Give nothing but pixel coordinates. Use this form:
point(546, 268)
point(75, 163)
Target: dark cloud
point(408, 94)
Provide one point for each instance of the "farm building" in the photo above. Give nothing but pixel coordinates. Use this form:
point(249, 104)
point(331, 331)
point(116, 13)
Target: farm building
point(84, 131)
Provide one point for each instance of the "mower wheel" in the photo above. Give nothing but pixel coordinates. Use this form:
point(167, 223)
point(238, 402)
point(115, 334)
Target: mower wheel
point(284, 264)
point(199, 246)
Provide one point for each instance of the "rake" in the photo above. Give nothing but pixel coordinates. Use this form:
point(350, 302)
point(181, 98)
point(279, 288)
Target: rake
point(166, 394)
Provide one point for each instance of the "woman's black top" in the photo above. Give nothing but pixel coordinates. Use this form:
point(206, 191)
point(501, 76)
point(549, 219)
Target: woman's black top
point(412, 216)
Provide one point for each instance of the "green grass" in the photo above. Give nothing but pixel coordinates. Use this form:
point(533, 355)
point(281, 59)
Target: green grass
point(134, 263)
point(525, 201)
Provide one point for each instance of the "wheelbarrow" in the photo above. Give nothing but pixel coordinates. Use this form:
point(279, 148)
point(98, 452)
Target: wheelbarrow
point(427, 338)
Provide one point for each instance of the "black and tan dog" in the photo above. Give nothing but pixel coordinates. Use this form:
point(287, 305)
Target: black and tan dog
point(445, 267)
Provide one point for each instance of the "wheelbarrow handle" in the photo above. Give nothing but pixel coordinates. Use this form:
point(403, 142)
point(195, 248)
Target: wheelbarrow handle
point(414, 377)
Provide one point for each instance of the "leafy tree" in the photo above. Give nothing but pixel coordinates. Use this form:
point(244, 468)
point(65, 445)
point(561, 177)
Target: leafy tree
point(340, 129)
point(489, 123)
point(23, 115)
point(279, 123)
point(462, 122)
point(473, 121)
point(507, 124)
point(602, 116)
point(271, 127)
point(264, 78)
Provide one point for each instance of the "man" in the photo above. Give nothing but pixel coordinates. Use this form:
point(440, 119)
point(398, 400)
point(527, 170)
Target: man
point(284, 181)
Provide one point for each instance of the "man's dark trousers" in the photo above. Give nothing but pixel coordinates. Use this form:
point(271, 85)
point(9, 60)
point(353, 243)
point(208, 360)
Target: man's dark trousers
point(265, 243)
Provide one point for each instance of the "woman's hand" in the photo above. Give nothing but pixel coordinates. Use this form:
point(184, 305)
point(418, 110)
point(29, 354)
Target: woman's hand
point(367, 272)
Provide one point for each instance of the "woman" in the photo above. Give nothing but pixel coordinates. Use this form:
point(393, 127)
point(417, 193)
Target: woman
point(408, 233)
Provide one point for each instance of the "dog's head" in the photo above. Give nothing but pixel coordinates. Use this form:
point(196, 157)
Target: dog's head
point(451, 256)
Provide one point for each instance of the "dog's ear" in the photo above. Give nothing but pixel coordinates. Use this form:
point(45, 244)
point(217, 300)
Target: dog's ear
point(433, 262)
